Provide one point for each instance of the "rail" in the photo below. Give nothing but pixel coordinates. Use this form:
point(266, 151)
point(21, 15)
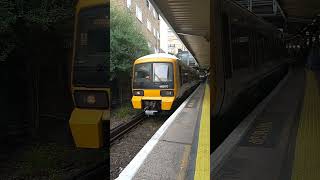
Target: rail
point(122, 129)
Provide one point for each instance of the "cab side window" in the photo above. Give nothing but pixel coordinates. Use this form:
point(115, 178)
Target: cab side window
point(185, 75)
point(181, 76)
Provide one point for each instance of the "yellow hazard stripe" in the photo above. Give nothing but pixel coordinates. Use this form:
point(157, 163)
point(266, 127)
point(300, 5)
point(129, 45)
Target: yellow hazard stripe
point(202, 170)
point(307, 150)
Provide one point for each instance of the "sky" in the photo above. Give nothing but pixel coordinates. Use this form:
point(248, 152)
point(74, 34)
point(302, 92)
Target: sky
point(163, 35)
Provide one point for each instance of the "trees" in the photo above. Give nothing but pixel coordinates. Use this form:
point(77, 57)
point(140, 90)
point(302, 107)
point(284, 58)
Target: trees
point(29, 39)
point(127, 42)
point(21, 21)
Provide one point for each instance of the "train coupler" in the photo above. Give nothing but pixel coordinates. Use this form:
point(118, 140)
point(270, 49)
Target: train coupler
point(150, 112)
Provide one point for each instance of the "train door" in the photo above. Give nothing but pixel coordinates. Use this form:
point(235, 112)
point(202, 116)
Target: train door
point(227, 54)
point(179, 78)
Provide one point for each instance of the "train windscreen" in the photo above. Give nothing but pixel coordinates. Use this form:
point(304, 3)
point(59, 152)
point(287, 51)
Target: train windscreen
point(91, 63)
point(153, 76)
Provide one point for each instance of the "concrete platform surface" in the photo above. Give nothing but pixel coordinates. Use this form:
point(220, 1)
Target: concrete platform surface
point(264, 150)
point(168, 154)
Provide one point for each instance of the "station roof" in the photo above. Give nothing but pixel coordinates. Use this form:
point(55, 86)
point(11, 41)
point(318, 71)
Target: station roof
point(305, 9)
point(190, 19)
point(299, 12)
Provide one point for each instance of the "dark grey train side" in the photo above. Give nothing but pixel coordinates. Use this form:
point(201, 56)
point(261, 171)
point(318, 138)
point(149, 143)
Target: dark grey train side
point(250, 60)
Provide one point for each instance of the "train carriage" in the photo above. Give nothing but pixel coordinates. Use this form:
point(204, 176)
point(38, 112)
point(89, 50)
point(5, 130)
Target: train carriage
point(159, 80)
point(90, 74)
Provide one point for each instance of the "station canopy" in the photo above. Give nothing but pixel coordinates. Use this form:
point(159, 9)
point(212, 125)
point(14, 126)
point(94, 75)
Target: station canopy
point(299, 12)
point(190, 19)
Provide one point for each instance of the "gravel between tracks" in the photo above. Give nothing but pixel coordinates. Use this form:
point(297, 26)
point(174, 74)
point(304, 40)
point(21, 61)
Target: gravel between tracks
point(123, 151)
point(122, 114)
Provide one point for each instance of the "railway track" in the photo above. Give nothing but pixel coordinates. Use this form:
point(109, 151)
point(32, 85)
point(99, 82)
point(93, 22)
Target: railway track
point(122, 129)
point(100, 169)
point(96, 171)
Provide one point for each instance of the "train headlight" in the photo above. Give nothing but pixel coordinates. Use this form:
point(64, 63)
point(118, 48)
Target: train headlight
point(166, 93)
point(91, 99)
point(138, 93)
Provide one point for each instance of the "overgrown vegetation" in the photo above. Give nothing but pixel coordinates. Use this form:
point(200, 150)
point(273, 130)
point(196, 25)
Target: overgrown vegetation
point(32, 35)
point(50, 161)
point(124, 111)
point(22, 20)
point(127, 42)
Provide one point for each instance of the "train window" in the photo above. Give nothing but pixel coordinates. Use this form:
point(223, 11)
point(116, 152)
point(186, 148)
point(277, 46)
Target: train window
point(187, 58)
point(181, 77)
point(253, 49)
point(153, 76)
point(92, 47)
point(97, 41)
point(142, 72)
point(240, 48)
point(93, 31)
point(226, 50)
point(259, 49)
point(162, 72)
point(185, 75)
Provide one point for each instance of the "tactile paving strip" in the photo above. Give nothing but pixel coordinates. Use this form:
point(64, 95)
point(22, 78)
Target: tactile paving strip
point(203, 155)
point(307, 151)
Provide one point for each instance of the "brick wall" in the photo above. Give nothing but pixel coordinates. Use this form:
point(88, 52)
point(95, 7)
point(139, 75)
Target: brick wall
point(147, 15)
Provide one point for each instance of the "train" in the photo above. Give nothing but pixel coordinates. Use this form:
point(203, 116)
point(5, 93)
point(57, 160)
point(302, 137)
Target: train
point(159, 81)
point(250, 59)
point(90, 74)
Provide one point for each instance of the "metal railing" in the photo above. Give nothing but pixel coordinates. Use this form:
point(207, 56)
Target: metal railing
point(264, 8)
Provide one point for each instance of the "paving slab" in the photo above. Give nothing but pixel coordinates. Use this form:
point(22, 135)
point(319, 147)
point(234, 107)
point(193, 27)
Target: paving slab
point(170, 157)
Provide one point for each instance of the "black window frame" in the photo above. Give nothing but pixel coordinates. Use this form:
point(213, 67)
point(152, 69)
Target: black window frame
point(104, 67)
point(155, 85)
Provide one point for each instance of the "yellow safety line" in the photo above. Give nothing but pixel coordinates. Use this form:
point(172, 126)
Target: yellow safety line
point(202, 170)
point(307, 151)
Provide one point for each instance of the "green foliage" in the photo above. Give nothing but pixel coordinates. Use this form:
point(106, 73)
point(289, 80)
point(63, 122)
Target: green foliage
point(7, 16)
point(45, 13)
point(127, 42)
point(124, 112)
point(18, 18)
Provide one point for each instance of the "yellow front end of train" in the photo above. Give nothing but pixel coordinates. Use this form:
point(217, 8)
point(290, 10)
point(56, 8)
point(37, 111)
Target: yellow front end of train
point(154, 88)
point(90, 74)
point(152, 95)
point(158, 81)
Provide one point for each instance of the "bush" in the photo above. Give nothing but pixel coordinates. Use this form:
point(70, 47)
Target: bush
point(127, 42)
point(21, 20)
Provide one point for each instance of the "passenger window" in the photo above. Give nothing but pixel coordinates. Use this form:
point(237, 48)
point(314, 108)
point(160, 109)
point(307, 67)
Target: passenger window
point(181, 76)
point(185, 76)
point(240, 48)
point(226, 50)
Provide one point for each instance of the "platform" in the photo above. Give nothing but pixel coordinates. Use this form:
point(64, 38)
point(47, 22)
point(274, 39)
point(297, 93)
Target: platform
point(177, 150)
point(280, 138)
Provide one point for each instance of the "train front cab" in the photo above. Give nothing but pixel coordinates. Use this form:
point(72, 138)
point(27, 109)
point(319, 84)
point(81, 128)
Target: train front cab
point(149, 92)
point(90, 74)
